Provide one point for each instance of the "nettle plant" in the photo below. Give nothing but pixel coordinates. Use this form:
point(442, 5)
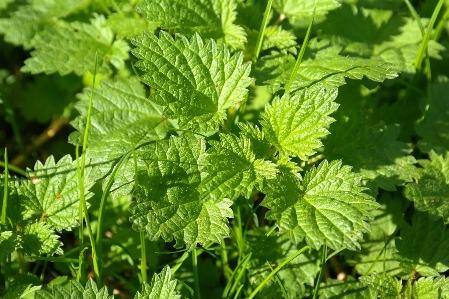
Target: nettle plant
point(276, 145)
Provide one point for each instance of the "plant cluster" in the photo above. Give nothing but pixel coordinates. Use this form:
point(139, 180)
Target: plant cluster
point(225, 149)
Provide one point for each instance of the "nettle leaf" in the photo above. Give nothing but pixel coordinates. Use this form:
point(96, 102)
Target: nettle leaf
point(297, 274)
point(259, 144)
point(328, 206)
point(14, 211)
point(424, 246)
point(8, 242)
point(22, 292)
point(299, 9)
point(22, 24)
point(371, 148)
point(431, 192)
point(195, 81)
point(351, 289)
point(74, 290)
point(122, 119)
point(169, 201)
point(162, 286)
point(387, 286)
point(39, 238)
point(430, 288)
point(72, 47)
point(52, 192)
point(210, 18)
point(295, 122)
point(276, 37)
point(231, 168)
point(322, 66)
point(126, 25)
point(434, 125)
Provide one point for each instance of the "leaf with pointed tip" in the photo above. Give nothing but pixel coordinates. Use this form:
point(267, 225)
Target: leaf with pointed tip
point(430, 288)
point(22, 292)
point(350, 289)
point(162, 286)
point(300, 9)
point(169, 201)
point(195, 81)
point(327, 207)
point(52, 192)
point(231, 168)
point(72, 47)
point(387, 286)
point(212, 19)
point(431, 192)
point(14, 210)
point(74, 290)
point(434, 126)
point(322, 66)
point(424, 245)
point(8, 242)
point(295, 122)
point(38, 238)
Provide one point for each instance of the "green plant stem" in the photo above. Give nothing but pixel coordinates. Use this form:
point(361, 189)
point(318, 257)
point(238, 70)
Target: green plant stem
point(320, 275)
point(238, 232)
point(300, 55)
point(195, 274)
point(186, 255)
point(143, 262)
point(441, 24)
point(81, 275)
point(276, 277)
point(224, 260)
point(380, 253)
point(236, 275)
point(5, 188)
point(260, 37)
point(276, 270)
point(13, 168)
point(97, 265)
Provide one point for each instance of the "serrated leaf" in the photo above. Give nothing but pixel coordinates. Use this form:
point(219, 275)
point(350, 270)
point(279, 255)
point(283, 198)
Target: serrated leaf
point(430, 288)
point(231, 168)
point(162, 286)
point(129, 26)
point(387, 286)
point(295, 122)
point(431, 192)
point(74, 290)
point(14, 207)
point(169, 202)
point(276, 37)
point(434, 125)
point(195, 81)
point(298, 9)
point(27, 20)
point(259, 144)
point(327, 207)
point(22, 292)
point(8, 242)
point(52, 192)
point(322, 66)
point(122, 119)
point(210, 18)
point(424, 246)
point(274, 250)
point(351, 289)
point(39, 238)
point(72, 47)
point(371, 148)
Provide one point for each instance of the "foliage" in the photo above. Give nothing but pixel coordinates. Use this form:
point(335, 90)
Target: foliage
point(279, 168)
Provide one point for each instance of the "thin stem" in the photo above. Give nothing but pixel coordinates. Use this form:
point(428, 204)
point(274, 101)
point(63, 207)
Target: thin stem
point(441, 24)
point(224, 260)
point(301, 54)
point(260, 37)
point(14, 168)
point(276, 270)
point(5, 188)
point(276, 277)
point(81, 275)
point(320, 276)
point(195, 274)
point(236, 275)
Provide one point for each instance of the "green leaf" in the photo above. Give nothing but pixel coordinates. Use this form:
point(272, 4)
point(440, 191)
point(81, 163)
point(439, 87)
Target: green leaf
point(276, 37)
point(299, 9)
point(128, 26)
point(169, 201)
point(295, 122)
point(327, 207)
point(122, 119)
point(22, 292)
point(14, 211)
point(274, 250)
point(430, 288)
point(8, 242)
point(371, 148)
point(72, 47)
point(52, 192)
point(424, 246)
point(39, 238)
point(351, 289)
point(259, 144)
point(434, 125)
point(210, 18)
point(387, 286)
point(195, 81)
point(162, 286)
point(322, 66)
point(431, 192)
point(74, 290)
point(27, 20)
point(231, 168)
